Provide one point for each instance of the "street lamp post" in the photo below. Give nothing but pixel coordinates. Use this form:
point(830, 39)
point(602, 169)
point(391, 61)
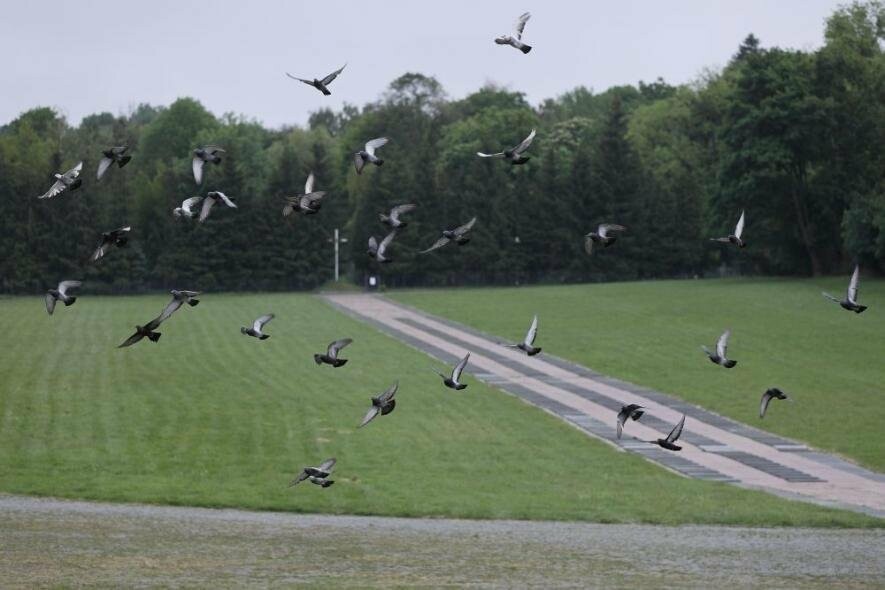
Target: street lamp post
point(336, 240)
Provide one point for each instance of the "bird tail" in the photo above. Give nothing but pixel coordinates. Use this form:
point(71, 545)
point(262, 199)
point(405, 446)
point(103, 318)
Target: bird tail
point(154, 336)
point(264, 337)
point(318, 359)
point(123, 161)
point(70, 300)
point(534, 351)
point(729, 364)
point(379, 162)
point(193, 302)
point(326, 483)
point(525, 48)
point(860, 309)
point(326, 92)
point(339, 363)
point(76, 184)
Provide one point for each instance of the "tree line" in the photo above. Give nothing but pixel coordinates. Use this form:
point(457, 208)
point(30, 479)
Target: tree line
point(795, 138)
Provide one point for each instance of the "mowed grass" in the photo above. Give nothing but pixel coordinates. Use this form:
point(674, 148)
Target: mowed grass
point(784, 334)
point(210, 417)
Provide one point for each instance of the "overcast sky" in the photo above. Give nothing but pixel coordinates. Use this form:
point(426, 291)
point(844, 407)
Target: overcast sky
point(86, 57)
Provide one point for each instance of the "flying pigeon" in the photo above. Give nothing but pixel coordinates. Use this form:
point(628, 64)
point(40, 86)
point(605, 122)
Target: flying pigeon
point(321, 85)
point(770, 394)
point(213, 197)
point(257, 326)
point(515, 40)
point(454, 381)
point(527, 345)
point(363, 156)
point(179, 298)
point(600, 236)
point(383, 404)
point(185, 208)
point(514, 154)
point(316, 475)
point(202, 155)
point(458, 235)
point(308, 203)
point(850, 302)
point(392, 219)
point(378, 251)
point(331, 356)
point(117, 237)
point(718, 357)
point(734, 238)
point(630, 412)
point(111, 155)
point(61, 294)
point(67, 181)
point(147, 330)
point(668, 443)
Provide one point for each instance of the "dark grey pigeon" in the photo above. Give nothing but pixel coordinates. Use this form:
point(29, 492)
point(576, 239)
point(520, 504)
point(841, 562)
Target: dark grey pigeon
point(110, 156)
point(515, 39)
point(179, 298)
point(382, 403)
point(208, 153)
point(850, 302)
point(392, 219)
point(321, 85)
point(185, 209)
point(459, 235)
point(770, 394)
point(367, 155)
point(379, 251)
point(213, 197)
point(527, 345)
point(734, 238)
point(309, 203)
point(257, 326)
point(600, 236)
point(61, 294)
point(514, 154)
point(117, 237)
point(453, 381)
point(68, 181)
point(331, 356)
point(629, 412)
point(669, 442)
point(146, 331)
point(719, 357)
point(316, 475)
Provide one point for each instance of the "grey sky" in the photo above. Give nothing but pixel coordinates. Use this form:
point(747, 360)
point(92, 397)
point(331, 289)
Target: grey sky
point(86, 57)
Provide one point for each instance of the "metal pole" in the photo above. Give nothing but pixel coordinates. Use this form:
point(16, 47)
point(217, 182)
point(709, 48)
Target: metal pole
point(336, 254)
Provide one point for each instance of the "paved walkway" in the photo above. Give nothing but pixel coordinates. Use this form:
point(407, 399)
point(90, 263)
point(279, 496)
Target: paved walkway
point(714, 447)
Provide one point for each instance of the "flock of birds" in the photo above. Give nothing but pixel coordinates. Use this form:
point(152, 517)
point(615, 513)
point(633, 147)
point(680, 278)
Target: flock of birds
point(310, 203)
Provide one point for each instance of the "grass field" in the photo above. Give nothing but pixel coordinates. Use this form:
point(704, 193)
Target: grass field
point(209, 417)
point(784, 334)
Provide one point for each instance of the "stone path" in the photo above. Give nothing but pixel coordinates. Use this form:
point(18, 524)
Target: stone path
point(714, 447)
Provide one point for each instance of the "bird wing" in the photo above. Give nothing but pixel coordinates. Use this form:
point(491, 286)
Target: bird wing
point(308, 184)
point(310, 82)
point(100, 251)
point(620, 426)
point(226, 200)
point(456, 372)
point(57, 187)
point(483, 155)
point(763, 403)
point(400, 210)
point(131, 340)
point(197, 166)
point(588, 245)
point(388, 395)
point(604, 228)
point(327, 465)
point(207, 206)
point(50, 303)
point(190, 293)
point(463, 229)
point(373, 245)
point(328, 79)
point(386, 242)
point(852, 285)
point(308, 201)
point(722, 343)
point(677, 431)
point(525, 143)
point(188, 203)
point(121, 230)
point(170, 308)
point(830, 297)
point(299, 478)
point(438, 244)
point(532, 333)
point(259, 323)
point(739, 228)
point(103, 166)
point(358, 162)
point(335, 347)
point(65, 285)
point(519, 27)
point(374, 144)
point(370, 415)
point(75, 171)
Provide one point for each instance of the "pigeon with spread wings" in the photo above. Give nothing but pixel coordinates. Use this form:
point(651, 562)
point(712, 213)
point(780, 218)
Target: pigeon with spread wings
point(453, 381)
point(629, 412)
point(392, 218)
point(601, 236)
point(367, 155)
point(515, 39)
point(528, 344)
point(459, 235)
point(146, 331)
point(770, 394)
point(734, 238)
point(316, 475)
point(117, 237)
point(382, 404)
point(850, 302)
point(308, 203)
point(379, 251)
point(331, 356)
point(213, 197)
point(110, 156)
point(185, 209)
point(321, 85)
point(514, 154)
point(208, 153)
point(669, 442)
point(256, 331)
point(179, 298)
point(60, 293)
point(719, 356)
point(63, 182)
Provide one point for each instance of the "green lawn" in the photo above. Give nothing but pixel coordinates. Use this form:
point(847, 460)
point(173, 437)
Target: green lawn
point(784, 334)
point(213, 418)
